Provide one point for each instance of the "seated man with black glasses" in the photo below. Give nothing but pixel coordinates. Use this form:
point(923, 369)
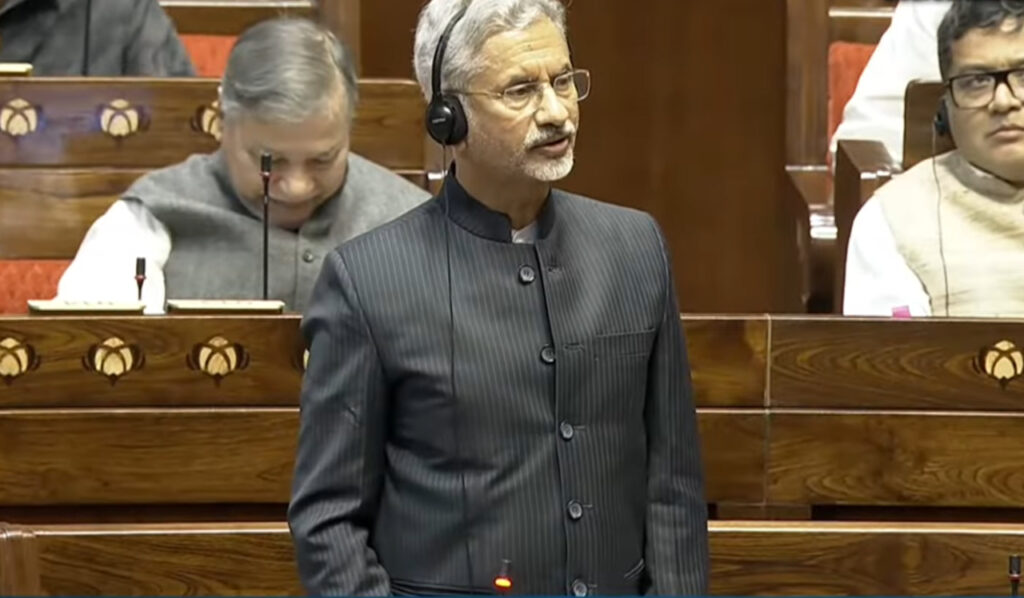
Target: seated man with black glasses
point(946, 238)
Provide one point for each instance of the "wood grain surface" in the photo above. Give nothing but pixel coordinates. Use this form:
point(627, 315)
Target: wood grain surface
point(140, 456)
point(923, 459)
point(792, 559)
point(886, 364)
point(728, 360)
point(746, 559)
point(182, 560)
point(733, 449)
point(272, 377)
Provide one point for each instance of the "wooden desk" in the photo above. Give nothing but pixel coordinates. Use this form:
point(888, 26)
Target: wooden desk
point(842, 455)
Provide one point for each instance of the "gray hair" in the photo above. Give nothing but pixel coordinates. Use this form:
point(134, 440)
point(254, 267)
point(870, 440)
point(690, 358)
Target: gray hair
point(967, 15)
point(287, 69)
point(483, 20)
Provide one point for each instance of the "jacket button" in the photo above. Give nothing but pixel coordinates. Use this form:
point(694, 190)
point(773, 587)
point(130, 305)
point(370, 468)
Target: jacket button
point(527, 275)
point(579, 588)
point(308, 257)
point(566, 430)
point(575, 510)
point(547, 354)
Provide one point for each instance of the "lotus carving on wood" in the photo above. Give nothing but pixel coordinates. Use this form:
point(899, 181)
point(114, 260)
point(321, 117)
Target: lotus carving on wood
point(120, 119)
point(207, 120)
point(113, 359)
point(1003, 362)
point(218, 358)
point(18, 118)
point(17, 358)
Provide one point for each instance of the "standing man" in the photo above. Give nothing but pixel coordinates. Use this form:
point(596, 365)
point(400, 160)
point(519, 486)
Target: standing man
point(498, 395)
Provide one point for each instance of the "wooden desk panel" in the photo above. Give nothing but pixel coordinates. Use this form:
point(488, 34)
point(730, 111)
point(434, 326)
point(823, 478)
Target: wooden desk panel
point(757, 558)
point(915, 459)
point(728, 359)
point(886, 364)
point(146, 456)
point(733, 449)
point(841, 559)
point(171, 560)
point(168, 354)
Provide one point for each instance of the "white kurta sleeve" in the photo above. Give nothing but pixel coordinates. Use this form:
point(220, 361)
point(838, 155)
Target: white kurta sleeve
point(878, 280)
point(104, 267)
point(908, 50)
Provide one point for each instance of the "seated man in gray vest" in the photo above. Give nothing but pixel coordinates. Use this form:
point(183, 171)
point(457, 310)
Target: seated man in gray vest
point(946, 238)
point(289, 90)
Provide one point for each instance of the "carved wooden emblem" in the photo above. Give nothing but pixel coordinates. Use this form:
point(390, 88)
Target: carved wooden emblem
point(218, 358)
point(207, 120)
point(120, 119)
point(1003, 362)
point(114, 359)
point(19, 118)
point(17, 358)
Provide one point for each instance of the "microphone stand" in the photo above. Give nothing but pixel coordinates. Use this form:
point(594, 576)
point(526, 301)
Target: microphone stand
point(246, 306)
point(266, 161)
point(1014, 574)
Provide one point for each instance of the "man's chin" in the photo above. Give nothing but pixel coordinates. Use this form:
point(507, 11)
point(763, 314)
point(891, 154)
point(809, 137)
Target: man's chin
point(549, 171)
point(291, 220)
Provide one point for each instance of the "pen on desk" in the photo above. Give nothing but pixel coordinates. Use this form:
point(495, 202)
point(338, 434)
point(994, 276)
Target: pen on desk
point(140, 274)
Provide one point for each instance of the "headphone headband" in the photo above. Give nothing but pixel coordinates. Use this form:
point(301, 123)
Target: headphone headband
point(442, 48)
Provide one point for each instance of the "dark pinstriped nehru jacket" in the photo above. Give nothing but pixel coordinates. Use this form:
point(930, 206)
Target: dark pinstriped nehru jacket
point(570, 445)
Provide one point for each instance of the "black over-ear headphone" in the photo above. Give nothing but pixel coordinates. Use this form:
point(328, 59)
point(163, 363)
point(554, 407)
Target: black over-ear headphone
point(446, 119)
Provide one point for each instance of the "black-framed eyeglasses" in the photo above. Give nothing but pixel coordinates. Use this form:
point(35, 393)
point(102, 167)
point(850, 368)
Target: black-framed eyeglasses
point(573, 85)
point(977, 90)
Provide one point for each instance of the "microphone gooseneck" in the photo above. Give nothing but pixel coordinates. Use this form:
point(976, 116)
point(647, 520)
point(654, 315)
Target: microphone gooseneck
point(85, 39)
point(266, 162)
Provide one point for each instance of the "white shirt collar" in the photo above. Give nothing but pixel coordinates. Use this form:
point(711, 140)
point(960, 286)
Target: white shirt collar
point(527, 234)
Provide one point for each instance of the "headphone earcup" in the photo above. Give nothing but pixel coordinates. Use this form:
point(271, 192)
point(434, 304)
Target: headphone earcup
point(460, 126)
point(446, 120)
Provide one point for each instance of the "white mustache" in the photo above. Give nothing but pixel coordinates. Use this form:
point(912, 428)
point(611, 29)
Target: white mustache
point(547, 136)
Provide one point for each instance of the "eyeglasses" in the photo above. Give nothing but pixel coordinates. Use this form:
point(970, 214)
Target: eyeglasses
point(977, 90)
point(574, 85)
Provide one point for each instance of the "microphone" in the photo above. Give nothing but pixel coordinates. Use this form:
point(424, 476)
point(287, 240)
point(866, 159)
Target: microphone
point(1014, 574)
point(266, 161)
point(140, 274)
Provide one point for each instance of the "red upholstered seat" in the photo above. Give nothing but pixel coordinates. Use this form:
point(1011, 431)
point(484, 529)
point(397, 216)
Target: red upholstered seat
point(209, 53)
point(846, 62)
point(21, 280)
